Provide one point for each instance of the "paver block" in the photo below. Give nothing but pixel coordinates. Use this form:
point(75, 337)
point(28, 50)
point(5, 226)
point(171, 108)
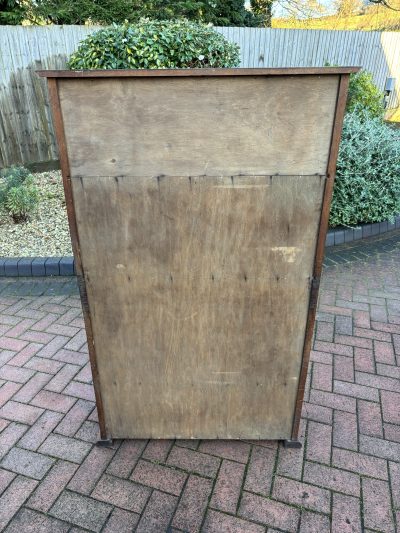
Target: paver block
point(52, 266)
point(67, 267)
point(27, 463)
point(159, 477)
point(366, 230)
point(125, 494)
point(81, 511)
point(349, 235)
point(339, 237)
point(375, 228)
point(158, 513)
point(358, 233)
point(192, 506)
point(25, 266)
point(11, 267)
point(38, 268)
point(330, 239)
point(27, 521)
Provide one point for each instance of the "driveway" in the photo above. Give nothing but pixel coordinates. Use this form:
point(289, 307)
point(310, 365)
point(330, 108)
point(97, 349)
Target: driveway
point(346, 478)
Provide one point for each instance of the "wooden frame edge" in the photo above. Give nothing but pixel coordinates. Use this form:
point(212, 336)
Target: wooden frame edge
point(191, 72)
point(65, 171)
point(320, 247)
point(331, 170)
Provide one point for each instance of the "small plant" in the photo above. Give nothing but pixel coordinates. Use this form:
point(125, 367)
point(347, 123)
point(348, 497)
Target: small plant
point(18, 194)
point(155, 44)
point(367, 186)
point(365, 95)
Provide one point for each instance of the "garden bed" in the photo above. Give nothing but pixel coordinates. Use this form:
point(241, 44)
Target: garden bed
point(46, 233)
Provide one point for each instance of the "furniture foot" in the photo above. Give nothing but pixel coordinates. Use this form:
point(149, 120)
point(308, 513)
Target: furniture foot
point(105, 443)
point(288, 443)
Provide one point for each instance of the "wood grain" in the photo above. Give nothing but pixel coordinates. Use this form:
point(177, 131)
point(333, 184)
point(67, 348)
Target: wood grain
point(211, 126)
point(198, 291)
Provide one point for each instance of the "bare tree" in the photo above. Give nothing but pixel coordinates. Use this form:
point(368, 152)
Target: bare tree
point(294, 8)
point(345, 8)
point(305, 9)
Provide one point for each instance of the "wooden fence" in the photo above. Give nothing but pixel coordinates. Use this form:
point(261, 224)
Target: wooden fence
point(26, 131)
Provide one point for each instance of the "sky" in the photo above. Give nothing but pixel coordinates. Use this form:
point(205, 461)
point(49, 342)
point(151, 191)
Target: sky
point(280, 11)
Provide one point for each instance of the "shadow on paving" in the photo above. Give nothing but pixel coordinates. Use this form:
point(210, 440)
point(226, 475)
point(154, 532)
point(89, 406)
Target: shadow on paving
point(46, 286)
point(363, 249)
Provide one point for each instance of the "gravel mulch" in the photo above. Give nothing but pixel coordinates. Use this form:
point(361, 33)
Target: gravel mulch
point(47, 232)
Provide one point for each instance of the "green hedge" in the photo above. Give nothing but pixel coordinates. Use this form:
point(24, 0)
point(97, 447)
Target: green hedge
point(365, 95)
point(155, 44)
point(367, 186)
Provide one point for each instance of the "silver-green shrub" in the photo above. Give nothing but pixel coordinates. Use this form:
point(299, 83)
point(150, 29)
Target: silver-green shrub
point(367, 186)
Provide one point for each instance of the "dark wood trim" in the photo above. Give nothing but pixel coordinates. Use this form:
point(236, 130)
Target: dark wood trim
point(64, 165)
point(320, 248)
point(65, 171)
point(330, 172)
point(150, 73)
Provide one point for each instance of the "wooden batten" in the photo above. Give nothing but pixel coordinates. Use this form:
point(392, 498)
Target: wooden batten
point(198, 72)
point(198, 202)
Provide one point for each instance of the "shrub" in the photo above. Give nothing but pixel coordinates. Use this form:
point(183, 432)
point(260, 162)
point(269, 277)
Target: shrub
point(104, 12)
point(12, 177)
point(364, 94)
point(155, 44)
point(18, 194)
point(367, 186)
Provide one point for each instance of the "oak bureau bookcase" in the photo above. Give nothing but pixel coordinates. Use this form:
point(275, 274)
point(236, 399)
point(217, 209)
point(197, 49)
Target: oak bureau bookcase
point(198, 203)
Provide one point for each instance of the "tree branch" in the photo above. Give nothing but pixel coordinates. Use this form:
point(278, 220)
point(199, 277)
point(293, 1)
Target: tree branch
point(384, 3)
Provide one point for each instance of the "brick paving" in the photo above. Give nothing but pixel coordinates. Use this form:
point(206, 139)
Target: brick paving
point(346, 478)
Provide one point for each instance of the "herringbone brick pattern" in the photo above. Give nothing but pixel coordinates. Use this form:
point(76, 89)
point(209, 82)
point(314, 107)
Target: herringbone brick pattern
point(345, 479)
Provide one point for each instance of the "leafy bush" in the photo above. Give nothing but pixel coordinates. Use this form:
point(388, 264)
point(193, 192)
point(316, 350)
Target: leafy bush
point(364, 94)
point(155, 44)
point(11, 12)
point(367, 186)
point(18, 194)
point(104, 12)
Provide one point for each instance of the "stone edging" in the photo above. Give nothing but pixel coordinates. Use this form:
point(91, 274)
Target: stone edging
point(341, 235)
point(37, 266)
point(65, 266)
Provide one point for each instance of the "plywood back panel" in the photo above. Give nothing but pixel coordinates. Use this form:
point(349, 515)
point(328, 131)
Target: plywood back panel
point(197, 204)
point(198, 291)
point(198, 126)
